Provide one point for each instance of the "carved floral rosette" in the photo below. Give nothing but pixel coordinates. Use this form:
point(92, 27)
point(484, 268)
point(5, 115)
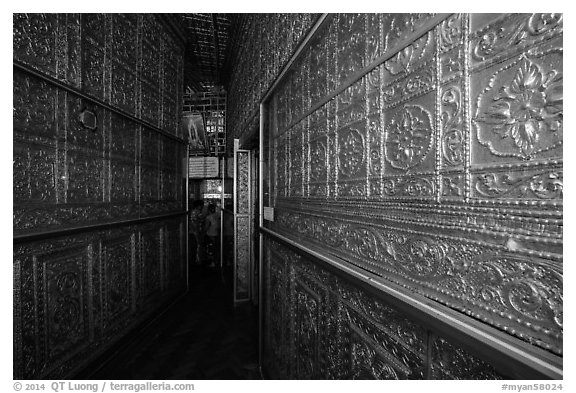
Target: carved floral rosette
point(520, 111)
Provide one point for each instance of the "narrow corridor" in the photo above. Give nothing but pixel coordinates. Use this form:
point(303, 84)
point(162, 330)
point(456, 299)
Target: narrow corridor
point(388, 185)
point(203, 335)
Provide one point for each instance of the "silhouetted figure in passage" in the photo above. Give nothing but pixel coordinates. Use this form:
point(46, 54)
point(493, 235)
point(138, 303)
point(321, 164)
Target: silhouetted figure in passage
point(196, 231)
point(213, 235)
point(228, 227)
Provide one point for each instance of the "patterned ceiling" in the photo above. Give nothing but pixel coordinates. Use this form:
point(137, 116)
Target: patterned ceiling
point(207, 42)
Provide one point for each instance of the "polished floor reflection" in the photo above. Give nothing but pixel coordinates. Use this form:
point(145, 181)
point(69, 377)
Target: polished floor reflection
point(202, 336)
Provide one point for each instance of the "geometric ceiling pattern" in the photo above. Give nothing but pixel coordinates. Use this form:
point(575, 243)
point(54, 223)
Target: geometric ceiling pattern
point(206, 50)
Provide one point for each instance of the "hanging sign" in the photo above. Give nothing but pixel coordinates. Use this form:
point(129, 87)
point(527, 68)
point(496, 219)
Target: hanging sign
point(202, 167)
point(193, 127)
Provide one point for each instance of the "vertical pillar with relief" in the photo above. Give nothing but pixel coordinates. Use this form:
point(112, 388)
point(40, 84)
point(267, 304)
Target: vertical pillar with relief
point(242, 223)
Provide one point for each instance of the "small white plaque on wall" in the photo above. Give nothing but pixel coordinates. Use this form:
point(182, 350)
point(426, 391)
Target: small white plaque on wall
point(269, 213)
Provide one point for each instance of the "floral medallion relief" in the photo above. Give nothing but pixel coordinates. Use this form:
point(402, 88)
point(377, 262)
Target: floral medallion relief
point(519, 113)
point(351, 153)
point(408, 137)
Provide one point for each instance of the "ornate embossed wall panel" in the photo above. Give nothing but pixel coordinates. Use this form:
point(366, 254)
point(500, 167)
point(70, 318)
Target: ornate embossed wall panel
point(54, 323)
point(150, 266)
point(84, 181)
point(281, 169)
point(37, 39)
point(351, 45)
point(151, 71)
point(172, 80)
point(318, 325)
point(117, 271)
point(40, 125)
point(310, 297)
point(172, 174)
point(383, 343)
point(317, 159)
point(533, 291)
point(276, 322)
point(351, 159)
point(253, 71)
point(174, 251)
point(517, 110)
point(78, 294)
point(124, 163)
point(124, 48)
point(94, 28)
point(83, 157)
point(452, 92)
point(81, 169)
point(449, 362)
point(426, 150)
point(297, 163)
point(150, 149)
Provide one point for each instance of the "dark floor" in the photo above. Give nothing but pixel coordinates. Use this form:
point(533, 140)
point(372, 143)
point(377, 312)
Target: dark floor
point(202, 336)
